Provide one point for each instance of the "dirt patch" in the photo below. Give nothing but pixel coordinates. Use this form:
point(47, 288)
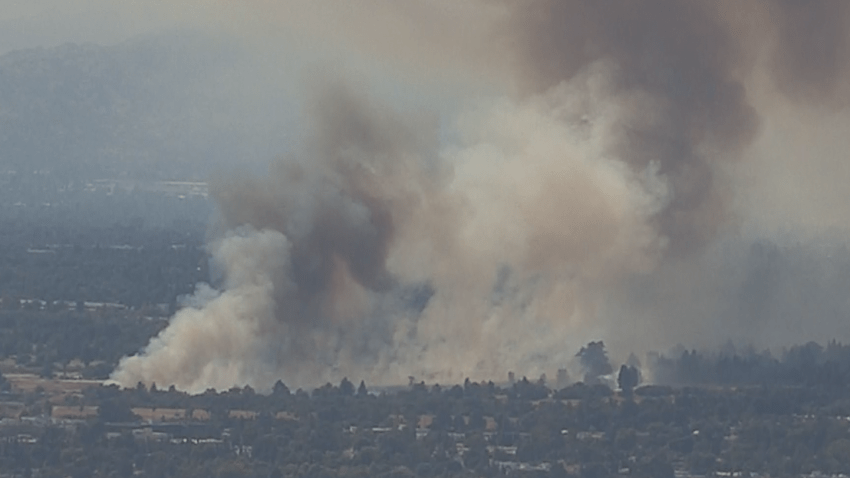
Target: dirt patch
point(200, 414)
point(243, 414)
point(29, 383)
point(11, 409)
point(70, 411)
point(286, 416)
point(160, 414)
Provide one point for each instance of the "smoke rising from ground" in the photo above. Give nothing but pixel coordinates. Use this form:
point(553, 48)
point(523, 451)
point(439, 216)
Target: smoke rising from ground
point(397, 264)
point(595, 196)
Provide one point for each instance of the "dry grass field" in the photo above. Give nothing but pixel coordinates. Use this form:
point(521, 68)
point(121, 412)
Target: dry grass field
point(160, 414)
point(244, 414)
point(73, 411)
point(28, 383)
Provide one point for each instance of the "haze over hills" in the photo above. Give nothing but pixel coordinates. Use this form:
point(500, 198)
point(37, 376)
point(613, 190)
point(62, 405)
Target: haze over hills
point(155, 107)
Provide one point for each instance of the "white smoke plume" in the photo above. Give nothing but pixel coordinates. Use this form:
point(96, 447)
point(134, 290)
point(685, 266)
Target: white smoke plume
point(588, 193)
point(222, 336)
point(366, 257)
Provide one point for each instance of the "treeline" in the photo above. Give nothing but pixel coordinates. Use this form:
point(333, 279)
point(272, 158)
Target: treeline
point(470, 429)
point(808, 365)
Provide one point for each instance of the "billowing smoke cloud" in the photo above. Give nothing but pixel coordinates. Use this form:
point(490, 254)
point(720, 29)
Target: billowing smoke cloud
point(219, 342)
point(811, 52)
point(597, 181)
point(386, 259)
point(682, 64)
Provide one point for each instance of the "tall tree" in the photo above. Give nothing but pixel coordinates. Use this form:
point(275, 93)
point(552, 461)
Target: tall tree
point(627, 379)
point(594, 362)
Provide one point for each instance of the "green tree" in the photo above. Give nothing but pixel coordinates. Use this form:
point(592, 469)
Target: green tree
point(346, 388)
point(627, 379)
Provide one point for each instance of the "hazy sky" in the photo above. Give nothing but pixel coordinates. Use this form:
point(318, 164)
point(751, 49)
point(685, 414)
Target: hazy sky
point(266, 54)
point(383, 42)
point(47, 23)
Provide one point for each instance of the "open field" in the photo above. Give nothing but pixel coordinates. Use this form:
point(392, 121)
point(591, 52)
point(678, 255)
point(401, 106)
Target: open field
point(73, 411)
point(59, 395)
point(28, 383)
point(160, 414)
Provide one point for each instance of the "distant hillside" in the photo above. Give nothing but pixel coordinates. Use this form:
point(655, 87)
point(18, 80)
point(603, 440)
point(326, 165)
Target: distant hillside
point(150, 108)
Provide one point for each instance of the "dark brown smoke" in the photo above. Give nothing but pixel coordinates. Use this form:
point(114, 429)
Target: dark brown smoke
point(811, 53)
point(336, 201)
point(688, 63)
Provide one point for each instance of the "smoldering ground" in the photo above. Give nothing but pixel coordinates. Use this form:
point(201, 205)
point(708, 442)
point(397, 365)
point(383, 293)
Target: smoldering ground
point(595, 194)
